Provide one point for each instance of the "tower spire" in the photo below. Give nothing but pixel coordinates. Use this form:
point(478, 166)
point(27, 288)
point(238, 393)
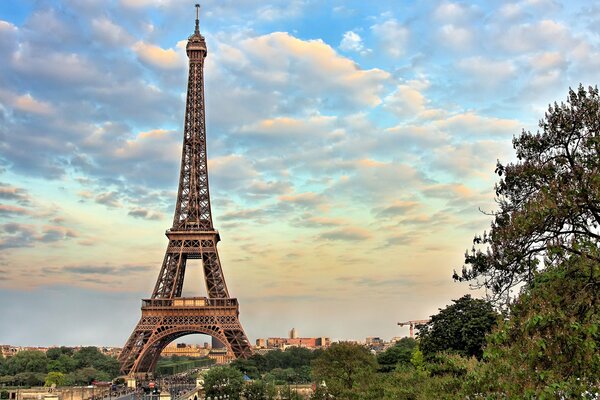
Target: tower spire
point(197, 19)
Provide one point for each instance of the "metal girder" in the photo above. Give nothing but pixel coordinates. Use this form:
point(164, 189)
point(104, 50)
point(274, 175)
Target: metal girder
point(166, 315)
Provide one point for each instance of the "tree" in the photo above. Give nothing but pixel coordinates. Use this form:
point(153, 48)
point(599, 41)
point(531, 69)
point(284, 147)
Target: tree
point(461, 328)
point(549, 199)
point(220, 381)
point(55, 352)
point(255, 390)
point(549, 348)
point(348, 370)
point(55, 378)
point(27, 361)
point(400, 353)
point(86, 375)
point(64, 364)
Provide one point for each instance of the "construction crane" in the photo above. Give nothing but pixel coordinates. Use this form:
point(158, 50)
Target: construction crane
point(412, 324)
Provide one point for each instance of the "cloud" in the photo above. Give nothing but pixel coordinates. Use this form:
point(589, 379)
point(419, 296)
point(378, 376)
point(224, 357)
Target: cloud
point(109, 199)
point(279, 60)
point(352, 42)
point(307, 199)
point(539, 35)
point(351, 234)
point(459, 38)
point(9, 210)
point(393, 37)
point(486, 72)
point(105, 269)
point(9, 192)
point(158, 57)
point(109, 32)
point(398, 207)
point(470, 125)
point(56, 233)
point(16, 235)
point(26, 103)
point(144, 214)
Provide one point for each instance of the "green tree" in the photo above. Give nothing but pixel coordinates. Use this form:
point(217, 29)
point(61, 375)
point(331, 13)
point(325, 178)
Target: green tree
point(220, 381)
point(549, 199)
point(27, 361)
point(55, 352)
point(85, 376)
point(348, 370)
point(460, 327)
point(64, 364)
point(550, 346)
point(55, 378)
point(255, 390)
point(400, 353)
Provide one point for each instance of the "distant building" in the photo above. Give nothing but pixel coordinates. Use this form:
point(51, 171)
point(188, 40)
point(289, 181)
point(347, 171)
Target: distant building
point(184, 350)
point(374, 341)
point(261, 343)
point(293, 334)
point(309, 343)
point(221, 356)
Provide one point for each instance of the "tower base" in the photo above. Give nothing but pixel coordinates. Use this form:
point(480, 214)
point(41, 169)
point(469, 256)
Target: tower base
point(164, 320)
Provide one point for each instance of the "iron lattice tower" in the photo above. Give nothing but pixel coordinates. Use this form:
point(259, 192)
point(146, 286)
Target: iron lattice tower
point(167, 316)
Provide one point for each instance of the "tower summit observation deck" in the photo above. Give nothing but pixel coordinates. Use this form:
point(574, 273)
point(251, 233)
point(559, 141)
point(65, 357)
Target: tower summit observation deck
point(167, 316)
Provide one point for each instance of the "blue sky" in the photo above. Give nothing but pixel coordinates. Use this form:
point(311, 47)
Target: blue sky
point(351, 147)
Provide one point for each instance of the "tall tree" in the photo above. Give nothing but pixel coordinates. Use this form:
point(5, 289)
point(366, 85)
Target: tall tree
point(459, 328)
point(400, 353)
point(224, 381)
point(549, 199)
point(27, 361)
point(347, 369)
point(549, 347)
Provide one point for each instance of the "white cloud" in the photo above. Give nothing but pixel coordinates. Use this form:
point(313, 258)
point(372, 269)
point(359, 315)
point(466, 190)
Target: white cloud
point(457, 37)
point(487, 72)
point(540, 35)
point(159, 57)
point(109, 32)
point(353, 42)
point(470, 124)
point(393, 36)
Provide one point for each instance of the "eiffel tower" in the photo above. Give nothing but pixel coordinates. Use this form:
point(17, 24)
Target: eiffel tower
point(167, 316)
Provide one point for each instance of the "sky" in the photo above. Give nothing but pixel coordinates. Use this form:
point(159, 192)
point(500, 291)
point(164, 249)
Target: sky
point(351, 146)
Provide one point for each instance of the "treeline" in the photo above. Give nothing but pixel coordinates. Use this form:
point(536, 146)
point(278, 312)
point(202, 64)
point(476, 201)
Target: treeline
point(60, 366)
point(291, 366)
point(176, 364)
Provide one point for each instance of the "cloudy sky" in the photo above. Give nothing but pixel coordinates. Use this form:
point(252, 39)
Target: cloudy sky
point(351, 145)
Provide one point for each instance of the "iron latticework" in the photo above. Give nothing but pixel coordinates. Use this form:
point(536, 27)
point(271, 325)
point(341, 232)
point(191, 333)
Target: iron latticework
point(166, 315)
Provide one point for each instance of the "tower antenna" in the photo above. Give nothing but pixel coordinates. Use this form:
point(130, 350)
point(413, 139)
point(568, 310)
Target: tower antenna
point(197, 18)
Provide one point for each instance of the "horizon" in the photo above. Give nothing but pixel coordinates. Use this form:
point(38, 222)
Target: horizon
point(350, 148)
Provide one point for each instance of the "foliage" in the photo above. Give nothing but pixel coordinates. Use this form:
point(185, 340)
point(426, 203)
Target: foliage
point(460, 327)
point(220, 381)
point(78, 367)
point(55, 353)
point(26, 361)
point(400, 353)
point(255, 390)
point(176, 364)
point(63, 363)
point(348, 370)
point(55, 378)
point(86, 375)
point(550, 346)
point(289, 366)
point(549, 199)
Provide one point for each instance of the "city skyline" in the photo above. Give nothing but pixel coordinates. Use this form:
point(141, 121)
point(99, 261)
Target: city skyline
point(358, 141)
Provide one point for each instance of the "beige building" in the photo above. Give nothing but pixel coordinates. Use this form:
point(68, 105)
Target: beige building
point(184, 350)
